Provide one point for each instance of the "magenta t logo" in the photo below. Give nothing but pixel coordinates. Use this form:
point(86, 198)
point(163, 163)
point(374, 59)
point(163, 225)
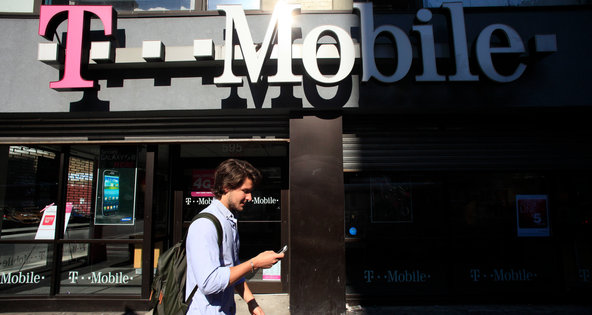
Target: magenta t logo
point(78, 27)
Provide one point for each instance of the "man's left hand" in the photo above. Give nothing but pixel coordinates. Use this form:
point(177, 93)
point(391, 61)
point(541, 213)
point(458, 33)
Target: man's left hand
point(258, 311)
point(254, 308)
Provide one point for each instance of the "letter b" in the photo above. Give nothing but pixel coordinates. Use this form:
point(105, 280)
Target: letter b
point(404, 53)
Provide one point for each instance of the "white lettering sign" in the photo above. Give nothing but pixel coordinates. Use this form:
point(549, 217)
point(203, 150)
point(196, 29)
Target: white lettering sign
point(265, 200)
point(397, 276)
point(346, 50)
point(502, 275)
point(278, 41)
point(100, 277)
point(236, 20)
point(20, 278)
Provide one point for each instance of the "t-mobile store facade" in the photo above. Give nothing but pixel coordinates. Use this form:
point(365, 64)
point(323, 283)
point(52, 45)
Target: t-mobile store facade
point(434, 155)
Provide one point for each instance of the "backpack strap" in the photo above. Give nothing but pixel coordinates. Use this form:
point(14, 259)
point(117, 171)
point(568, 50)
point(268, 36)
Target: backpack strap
point(216, 222)
point(218, 226)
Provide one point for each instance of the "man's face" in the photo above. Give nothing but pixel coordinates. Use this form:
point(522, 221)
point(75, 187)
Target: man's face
point(236, 199)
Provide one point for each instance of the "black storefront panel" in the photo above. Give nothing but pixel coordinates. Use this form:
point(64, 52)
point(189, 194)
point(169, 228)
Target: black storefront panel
point(438, 213)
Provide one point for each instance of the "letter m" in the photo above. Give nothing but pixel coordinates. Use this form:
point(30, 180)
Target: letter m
point(5, 278)
point(77, 44)
point(236, 20)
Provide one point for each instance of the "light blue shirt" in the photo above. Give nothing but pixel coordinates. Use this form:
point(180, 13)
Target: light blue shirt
point(207, 268)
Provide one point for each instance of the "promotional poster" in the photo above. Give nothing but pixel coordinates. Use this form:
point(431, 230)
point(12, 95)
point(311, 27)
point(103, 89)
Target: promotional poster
point(532, 212)
point(116, 187)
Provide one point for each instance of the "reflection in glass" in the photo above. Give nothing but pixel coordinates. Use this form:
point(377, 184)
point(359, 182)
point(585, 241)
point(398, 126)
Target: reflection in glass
point(107, 269)
point(24, 269)
point(28, 183)
point(80, 188)
point(141, 5)
point(247, 4)
point(29, 177)
point(463, 222)
point(21, 6)
point(84, 185)
point(391, 201)
point(258, 237)
point(508, 3)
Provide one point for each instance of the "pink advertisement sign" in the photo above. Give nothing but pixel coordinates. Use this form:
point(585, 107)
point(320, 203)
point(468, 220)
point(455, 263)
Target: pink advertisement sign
point(274, 273)
point(532, 215)
point(47, 225)
point(203, 182)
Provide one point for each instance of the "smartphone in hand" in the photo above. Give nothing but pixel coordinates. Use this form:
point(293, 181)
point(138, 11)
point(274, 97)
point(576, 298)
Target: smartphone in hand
point(283, 250)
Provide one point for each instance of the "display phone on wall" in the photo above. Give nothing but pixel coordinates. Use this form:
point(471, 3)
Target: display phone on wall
point(110, 192)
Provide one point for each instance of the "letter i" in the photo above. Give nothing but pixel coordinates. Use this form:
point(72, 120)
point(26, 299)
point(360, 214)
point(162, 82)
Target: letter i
point(428, 50)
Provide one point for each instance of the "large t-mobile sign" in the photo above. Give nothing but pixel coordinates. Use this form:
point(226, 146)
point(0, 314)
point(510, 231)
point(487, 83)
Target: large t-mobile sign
point(278, 38)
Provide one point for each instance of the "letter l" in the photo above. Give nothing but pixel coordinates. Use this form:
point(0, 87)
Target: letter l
point(459, 36)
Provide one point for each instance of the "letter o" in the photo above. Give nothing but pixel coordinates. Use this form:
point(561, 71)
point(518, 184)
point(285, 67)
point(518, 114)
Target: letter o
point(346, 52)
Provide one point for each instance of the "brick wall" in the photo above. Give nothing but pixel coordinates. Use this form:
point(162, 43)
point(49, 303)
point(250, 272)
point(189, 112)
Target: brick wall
point(80, 177)
point(32, 176)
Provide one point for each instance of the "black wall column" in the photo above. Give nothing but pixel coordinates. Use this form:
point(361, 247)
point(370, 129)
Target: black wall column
point(4, 151)
point(317, 250)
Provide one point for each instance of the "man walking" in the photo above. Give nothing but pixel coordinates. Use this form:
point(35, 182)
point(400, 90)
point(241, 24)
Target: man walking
point(218, 272)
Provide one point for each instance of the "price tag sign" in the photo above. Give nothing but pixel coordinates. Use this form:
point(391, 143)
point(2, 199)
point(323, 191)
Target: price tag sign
point(46, 229)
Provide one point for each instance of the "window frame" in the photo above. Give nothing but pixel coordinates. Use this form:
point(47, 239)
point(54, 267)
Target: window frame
point(35, 12)
point(55, 267)
point(523, 4)
point(200, 10)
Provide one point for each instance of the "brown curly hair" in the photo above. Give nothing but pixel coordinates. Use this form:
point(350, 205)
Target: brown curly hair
point(231, 174)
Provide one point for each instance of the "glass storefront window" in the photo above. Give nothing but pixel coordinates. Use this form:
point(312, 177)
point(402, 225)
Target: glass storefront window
point(28, 184)
point(247, 4)
point(102, 193)
point(507, 3)
point(164, 5)
point(376, 203)
point(260, 223)
point(470, 232)
point(141, 5)
point(101, 269)
point(256, 237)
point(25, 269)
point(103, 188)
point(21, 6)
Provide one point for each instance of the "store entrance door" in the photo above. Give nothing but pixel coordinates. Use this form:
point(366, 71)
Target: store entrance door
point(263, 224)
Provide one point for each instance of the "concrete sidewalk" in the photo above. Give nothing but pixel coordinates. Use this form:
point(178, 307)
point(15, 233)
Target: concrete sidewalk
point(279, 304)
point(272, 304)
point(472, 310)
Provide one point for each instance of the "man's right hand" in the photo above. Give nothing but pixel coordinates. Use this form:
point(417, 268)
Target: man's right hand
point(267, 259)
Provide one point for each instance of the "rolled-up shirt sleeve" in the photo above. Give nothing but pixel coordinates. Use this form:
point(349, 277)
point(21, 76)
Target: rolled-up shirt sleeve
point(204, 265)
